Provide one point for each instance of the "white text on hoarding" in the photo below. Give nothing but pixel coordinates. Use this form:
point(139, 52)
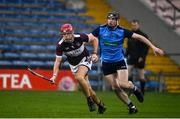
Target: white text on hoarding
point(15, 81)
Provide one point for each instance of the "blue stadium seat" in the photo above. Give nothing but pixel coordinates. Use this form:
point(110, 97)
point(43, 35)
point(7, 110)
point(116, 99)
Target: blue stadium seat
point(19, 9)
point(52, 32)
point(3, 24)
point(20, 63)
point(28, 55)
point(11, 16)
point(27, 1)
point(5, 63)
point(20, 47)
point(49, 63)
point(9, 31)
point(5, 8)
point(37, 47)
point(2, 1)
point(43, 2)
point(40, 9)
point(53, 40)
point(46, 40)
point(12, 1)
point(51, 47)
point(36, 9)
point(14, 24)
point(1, 55)
point(21, 31)
point(34, 31)
point(30, 24)
point(43, 16)
point(26, 16)
point(46, 55)
point(37, 63)
point(27, 39)
point(10, 39)
point(11, 55)
point(5, 47)
point(2, 15)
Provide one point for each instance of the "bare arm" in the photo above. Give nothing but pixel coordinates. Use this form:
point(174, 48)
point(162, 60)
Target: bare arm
point(146, 41)
point(56, 68)
point(94, 41)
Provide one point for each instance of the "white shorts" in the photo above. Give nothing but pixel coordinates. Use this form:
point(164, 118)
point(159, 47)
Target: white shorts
point(85, 62)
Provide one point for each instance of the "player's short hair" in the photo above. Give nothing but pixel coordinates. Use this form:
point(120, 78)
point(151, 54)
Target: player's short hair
point(135, 21)
point(113, 14)
point(66, 28)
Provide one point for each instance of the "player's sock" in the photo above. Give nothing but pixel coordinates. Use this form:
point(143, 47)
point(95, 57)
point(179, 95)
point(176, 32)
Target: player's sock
point(91, 104)
point(100, 104)
point(96, 99)
point(132, 108)
point(142, 83)
point(101, 107)
point(138, 94)
point(130, 104)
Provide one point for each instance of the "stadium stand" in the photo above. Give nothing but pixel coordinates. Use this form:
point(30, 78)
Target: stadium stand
point(168, 10)
point(29, 31)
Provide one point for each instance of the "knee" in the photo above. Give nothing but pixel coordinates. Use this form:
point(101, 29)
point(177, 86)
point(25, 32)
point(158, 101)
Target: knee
point(79, 77)
point(131, 85)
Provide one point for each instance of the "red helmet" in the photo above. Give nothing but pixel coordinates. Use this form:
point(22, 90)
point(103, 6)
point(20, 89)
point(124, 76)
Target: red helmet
point(66, 28)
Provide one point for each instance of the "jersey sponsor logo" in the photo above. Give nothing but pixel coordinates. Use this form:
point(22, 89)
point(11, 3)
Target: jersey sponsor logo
point(76, 52)
point(110, 43)
point(122, 67)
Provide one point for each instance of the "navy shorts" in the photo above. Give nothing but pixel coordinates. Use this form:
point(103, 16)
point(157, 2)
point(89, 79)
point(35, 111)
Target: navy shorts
point(111, 68)
point(134, 61)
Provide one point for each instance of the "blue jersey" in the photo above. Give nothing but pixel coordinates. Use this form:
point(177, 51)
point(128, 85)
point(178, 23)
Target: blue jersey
point(111, 42)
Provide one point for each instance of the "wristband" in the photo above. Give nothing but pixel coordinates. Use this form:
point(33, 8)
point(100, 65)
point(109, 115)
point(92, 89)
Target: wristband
point(54, 74)
point(94, 53)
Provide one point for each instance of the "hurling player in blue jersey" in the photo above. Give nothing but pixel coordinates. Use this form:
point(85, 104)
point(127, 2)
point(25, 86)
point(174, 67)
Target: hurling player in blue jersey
point(111, 37)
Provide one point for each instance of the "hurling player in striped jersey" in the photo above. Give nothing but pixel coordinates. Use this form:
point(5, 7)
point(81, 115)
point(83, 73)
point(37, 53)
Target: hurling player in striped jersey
point(80, 61)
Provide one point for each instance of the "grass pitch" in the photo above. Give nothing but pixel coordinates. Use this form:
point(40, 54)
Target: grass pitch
point(57, 104)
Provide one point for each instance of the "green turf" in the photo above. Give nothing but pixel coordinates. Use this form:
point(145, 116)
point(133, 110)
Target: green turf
point(58, 104)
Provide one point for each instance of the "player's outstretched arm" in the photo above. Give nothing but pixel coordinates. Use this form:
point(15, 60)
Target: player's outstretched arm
point(141, 38)
point(56, 68)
